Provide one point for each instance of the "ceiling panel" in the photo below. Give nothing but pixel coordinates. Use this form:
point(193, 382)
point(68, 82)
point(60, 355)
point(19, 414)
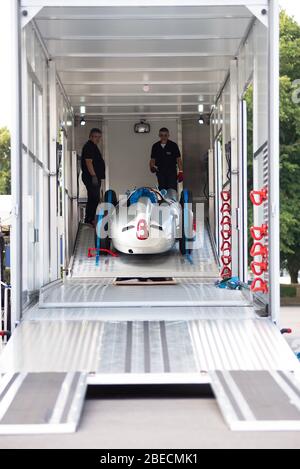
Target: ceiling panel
point(93, 101)
point(140, 12)
point(135, 107)
point(195, 89)
point(104, 55)
point(167, 28)
point(134, 48)
point(142, 63)
point(145, 77)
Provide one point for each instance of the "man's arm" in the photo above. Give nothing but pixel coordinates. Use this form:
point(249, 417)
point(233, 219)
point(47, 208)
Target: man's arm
point(179, 164)
point(91, 170)
point(153, 167)
point(90, 166)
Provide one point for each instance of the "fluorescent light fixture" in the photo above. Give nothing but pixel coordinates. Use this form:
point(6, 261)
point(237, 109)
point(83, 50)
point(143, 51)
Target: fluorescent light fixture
point(200, 108)
point(82, 109)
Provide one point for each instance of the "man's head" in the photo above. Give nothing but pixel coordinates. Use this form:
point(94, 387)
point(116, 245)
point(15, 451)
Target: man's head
point(95, 135)
point(164, 135)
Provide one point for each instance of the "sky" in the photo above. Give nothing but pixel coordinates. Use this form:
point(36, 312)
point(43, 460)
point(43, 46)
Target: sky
point(291, 6)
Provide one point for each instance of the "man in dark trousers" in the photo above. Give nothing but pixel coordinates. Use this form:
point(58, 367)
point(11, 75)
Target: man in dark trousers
point(165, 160)
point(93, 170)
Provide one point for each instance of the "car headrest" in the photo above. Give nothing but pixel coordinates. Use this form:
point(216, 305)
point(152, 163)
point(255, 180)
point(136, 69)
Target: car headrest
point(142, 192)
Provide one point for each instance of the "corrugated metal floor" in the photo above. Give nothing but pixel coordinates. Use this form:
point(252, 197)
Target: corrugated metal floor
point(137, 313)
point(92, 293)
point(171, 264)
point(166, 347)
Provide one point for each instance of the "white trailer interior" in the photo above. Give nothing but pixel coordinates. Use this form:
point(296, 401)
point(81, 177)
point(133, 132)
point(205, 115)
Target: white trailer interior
point(70, 316)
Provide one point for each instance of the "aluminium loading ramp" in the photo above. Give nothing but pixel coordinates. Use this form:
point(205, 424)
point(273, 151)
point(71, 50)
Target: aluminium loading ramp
point(161, 345)
point(258, 400)
point(248, 350)
point(41, 402)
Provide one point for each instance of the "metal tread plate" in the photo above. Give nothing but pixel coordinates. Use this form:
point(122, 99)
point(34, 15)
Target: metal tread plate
point(41, 402)
point(171, 264)
point(258, 400)
point(126, 347)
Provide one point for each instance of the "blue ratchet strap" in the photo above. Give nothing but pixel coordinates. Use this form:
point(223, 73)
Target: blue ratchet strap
point(186, 213)
point(98, 233)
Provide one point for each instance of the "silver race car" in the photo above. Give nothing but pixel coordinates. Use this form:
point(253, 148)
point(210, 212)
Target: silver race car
point(145, 221)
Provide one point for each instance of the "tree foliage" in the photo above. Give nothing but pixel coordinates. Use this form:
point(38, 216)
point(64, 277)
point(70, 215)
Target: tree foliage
point(4, 161)
point(289, 47)
point(289, 145)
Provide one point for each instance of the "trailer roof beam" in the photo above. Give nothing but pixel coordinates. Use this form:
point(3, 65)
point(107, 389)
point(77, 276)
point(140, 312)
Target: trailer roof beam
point(261, 13)
point(177, 37)
point(142, 54)
point(139, 3)
point(141, 70)
point(195, 93)
point(118, 83)
point(149, 17)
point(141, 113)
point(28, 14)
point(87, 105)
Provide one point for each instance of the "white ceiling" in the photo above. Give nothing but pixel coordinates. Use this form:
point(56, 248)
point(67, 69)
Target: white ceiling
point(105, 55)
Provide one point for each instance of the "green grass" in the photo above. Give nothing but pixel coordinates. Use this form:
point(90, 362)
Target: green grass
point(287, 291)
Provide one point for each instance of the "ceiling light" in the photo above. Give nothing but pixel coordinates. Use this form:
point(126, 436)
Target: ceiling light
point(200, 108)
point(201, 120)
point(82, 109)
point(82, 121)
point(69, 123)
point(142, 127)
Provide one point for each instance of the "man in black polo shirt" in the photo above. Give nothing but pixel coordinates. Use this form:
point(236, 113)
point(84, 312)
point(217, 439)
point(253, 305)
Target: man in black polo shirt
point(165, 159)
point(93, 170)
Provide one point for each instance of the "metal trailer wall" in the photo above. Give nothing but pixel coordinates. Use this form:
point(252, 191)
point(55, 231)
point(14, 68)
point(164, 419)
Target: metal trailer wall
point(128, 154)
point(49, 212)
point(195, 145)
point(251, 67)
point(257, 64)
point(35, 163)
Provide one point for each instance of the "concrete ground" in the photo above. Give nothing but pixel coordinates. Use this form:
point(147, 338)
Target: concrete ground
point(162, 422)
point(154, 423)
